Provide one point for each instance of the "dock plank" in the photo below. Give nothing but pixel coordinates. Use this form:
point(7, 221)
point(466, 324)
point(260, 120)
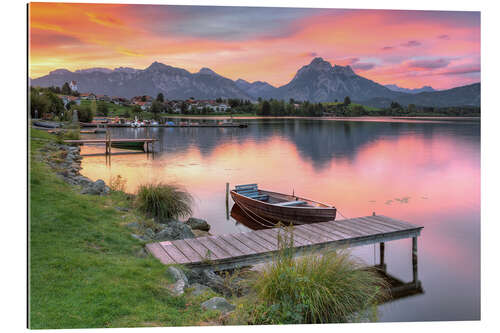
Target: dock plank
point(253, 241)
point(256, 247)
point(199, 248)
point(239, 245)
point(159, 252)
point(187, 250)
point(375, 225)
point(314, 229)
point(174, 253)
point(231, 249)
point(214, 249)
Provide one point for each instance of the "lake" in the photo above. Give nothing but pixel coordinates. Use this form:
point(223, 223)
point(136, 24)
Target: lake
point(426, 173)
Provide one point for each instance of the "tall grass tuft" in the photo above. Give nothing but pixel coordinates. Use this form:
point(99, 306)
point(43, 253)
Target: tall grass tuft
point(326, 288)
point(163, 201)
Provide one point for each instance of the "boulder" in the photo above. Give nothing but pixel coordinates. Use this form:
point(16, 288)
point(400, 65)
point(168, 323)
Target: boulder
point(181, 281)
point(199, 289)
point(215, 282)
point(178, 287)
point(174, 230)
point(218, 303)
point(177, 274)
point(96, 188)
point(198, 224)
point(200, 233)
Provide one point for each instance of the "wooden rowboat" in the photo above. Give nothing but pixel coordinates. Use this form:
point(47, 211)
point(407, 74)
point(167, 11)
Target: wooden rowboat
point(136, 145)
point(279, 207)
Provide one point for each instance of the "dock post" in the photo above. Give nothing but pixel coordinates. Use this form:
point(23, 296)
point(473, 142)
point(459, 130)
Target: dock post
point(227, 201)
point(382, 256)
point(414, 260)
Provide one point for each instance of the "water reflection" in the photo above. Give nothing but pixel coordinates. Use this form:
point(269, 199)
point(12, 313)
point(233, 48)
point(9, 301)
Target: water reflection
point(424, 173)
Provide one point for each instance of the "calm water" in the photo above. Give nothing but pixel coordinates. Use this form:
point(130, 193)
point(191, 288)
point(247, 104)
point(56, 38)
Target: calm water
point(424, 173)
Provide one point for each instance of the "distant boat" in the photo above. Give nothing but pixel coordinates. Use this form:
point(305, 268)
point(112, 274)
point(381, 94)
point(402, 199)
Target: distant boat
point(136, 123)
point(129, 145)
point(100, 129)
point(280, 207)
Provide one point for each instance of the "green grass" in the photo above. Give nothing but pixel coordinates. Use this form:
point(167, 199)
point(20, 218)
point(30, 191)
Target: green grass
point(84, 270)
point(163, 201)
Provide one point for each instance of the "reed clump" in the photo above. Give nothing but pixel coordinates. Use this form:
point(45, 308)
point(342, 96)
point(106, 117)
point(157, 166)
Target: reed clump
point(163, 201)
point(331, 287)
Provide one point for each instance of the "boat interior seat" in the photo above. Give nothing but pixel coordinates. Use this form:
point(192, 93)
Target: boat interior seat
point(291, 203)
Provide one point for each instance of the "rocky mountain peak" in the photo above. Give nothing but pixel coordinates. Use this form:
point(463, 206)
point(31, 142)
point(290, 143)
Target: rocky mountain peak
point(319, 64)
point(60, 71)
point(345, 70)
point(156, 66)
point(206, 71)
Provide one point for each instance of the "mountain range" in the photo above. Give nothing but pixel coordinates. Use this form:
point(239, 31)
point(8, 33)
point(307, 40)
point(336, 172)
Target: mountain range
point(395, 87)
point(318, 81)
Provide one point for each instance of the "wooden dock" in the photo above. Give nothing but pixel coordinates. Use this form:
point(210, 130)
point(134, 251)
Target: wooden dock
point(103, 140)
point(108, 141)
point(228, 251)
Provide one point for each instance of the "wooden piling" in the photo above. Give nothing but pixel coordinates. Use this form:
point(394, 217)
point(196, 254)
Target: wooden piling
point(227, 201)
point(414, 260)
point(382, 254)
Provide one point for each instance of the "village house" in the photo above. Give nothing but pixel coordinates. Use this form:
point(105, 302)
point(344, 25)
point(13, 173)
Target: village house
point(73, 86)
point(89, 96)
point(66, 99)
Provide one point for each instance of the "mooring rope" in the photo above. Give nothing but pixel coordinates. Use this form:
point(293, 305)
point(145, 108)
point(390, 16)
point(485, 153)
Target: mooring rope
point(248, 212)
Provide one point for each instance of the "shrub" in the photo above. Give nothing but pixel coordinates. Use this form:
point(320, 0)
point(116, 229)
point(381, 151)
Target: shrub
point(163, 201)
point(85, 113)
point(118, 183)
point(326, 288)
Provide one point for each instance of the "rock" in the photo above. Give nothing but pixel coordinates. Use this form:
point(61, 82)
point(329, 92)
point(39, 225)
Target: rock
point(139, 237)
point(174, 230)
point(149, 232)
point(133, 225)
point(218, 303)
point(97, 188)
point(122, 209)
point(142, 253)
point(198, 224)
point(181, 281)
point(200, 233)
point(178, 287)
point(177, 274)
point(199, 289)
point(214, 281)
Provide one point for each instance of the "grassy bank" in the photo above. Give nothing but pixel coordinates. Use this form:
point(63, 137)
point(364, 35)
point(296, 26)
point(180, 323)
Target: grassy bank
point(85, 268)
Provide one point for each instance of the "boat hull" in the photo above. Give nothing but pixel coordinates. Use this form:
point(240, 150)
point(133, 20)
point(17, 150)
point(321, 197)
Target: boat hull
point(284, 214)
point(128, 145)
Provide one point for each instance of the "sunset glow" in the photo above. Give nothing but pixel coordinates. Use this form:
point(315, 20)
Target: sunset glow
point(407, 48)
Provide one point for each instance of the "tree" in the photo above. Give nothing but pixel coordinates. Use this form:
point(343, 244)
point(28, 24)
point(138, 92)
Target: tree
point(184, 107)
point(102, 109)
point(266, 108)
point(85, 114)
point(159, 98)
point(157, 107)
point(347, 101)
point(66, 90)
point(412, 108)
point(136, 109)
point(70, 105)
point(39, 104)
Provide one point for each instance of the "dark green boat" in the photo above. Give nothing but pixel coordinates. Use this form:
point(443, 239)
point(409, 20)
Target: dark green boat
point(129, 145)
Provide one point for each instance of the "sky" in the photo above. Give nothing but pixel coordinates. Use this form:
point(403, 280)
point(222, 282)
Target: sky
point(407, 48)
